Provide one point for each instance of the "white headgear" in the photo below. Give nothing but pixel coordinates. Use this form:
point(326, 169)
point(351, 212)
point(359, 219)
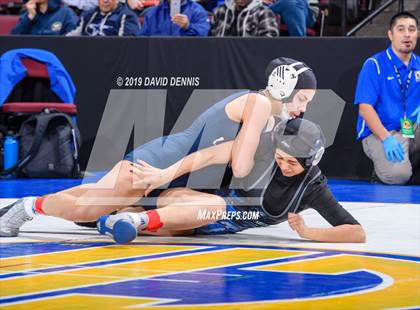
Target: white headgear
point(283, 79)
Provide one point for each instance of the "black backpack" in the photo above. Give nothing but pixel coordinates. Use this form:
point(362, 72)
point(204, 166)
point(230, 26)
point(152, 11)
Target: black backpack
point(49, 147)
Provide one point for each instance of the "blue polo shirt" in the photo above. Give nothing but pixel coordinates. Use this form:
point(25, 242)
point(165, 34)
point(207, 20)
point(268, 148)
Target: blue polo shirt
point(378, 86)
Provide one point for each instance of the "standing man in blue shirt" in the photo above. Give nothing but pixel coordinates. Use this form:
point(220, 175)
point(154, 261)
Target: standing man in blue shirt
point(388, 97)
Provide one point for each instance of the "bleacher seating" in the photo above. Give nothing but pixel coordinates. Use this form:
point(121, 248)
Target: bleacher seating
point(10, 2)
point(7, 23)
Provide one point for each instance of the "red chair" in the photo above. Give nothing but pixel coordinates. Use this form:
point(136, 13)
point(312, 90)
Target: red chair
point(10, 2)
point(148, 3)
point(309, 31)
point(7, 23)
point(33, 94)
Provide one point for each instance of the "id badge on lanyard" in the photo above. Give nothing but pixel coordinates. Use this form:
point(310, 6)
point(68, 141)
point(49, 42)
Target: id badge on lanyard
point(407, 128)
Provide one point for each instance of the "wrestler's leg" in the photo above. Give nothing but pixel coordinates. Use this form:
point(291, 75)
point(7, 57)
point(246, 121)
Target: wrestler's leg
point(80, 204)
point(179, 211)
point(183, 208)
point(87, 202)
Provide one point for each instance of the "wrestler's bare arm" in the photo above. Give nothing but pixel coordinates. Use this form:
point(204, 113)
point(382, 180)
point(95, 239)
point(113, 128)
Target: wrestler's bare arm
point(154, 177)
point(340, 233)
point(256, 113)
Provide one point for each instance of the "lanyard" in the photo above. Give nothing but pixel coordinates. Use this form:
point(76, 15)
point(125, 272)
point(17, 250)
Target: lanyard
point(404, 91)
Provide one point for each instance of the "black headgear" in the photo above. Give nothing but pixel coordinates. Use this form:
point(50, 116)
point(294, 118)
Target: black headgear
point(301, 139)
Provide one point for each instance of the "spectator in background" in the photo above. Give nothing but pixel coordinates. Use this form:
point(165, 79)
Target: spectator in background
point(244, 18)
point(110, 18)
point(388, 97)
point(295, 14)
point(192, 21)
point(46, 17)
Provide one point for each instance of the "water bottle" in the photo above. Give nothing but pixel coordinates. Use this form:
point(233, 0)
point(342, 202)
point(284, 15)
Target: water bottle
point(11, 151)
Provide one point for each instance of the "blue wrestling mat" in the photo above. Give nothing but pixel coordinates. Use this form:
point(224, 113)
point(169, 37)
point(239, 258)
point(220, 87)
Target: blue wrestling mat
point(355, 191)
point(99, 275)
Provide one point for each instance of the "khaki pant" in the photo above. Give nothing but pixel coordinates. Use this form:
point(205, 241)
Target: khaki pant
point(389, 172)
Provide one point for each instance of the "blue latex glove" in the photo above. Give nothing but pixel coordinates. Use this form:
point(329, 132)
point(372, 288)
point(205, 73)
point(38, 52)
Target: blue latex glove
point(416, 115)
point(393, 149)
